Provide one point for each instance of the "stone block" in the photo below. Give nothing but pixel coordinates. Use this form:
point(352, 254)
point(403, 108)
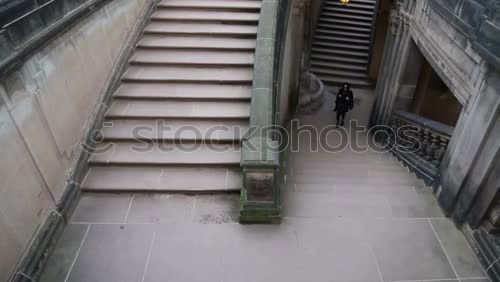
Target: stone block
point(261, 109)
point(259, 152)
point(35, 132)
point(267, 21)
point(10, 248)
point(24, 198)
point(263, 63)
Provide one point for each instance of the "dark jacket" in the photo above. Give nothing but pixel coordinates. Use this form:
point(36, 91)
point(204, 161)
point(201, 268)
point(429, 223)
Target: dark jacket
point(344, 101)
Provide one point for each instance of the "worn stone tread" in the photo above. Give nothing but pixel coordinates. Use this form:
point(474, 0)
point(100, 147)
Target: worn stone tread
point(345, 22)
point(158, 27)
point(341, 46)
point(328, 15)
point(183, 91)
point(190, 74)
point(176, 129)
point(187, 153)
point(327, 38)
point(340, 73)
point(212, 4)
point(349, 60)
point(155, 178)
point(341, 26)
point(194, 15)
point(178, 109)
point(184, 99)
point(192, 57)
point(196, 42)
point(338, 66)
point(341, 10)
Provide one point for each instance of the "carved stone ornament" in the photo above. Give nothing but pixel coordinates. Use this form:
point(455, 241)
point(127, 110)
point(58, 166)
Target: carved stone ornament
point(394, 19)
point(299, 4)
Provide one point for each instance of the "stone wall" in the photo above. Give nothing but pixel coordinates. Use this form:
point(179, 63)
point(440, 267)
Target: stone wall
point(45, 107)
point(470, 75)
point(292, 59)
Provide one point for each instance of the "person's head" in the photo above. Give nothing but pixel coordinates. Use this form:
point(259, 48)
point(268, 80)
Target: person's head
point(346, 86)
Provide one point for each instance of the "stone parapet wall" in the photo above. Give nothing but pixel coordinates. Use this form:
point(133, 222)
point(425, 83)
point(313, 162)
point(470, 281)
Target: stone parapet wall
point(471, 77)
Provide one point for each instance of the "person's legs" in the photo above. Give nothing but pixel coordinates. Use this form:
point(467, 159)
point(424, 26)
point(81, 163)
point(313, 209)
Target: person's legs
point(342, 115)
point(338, 117)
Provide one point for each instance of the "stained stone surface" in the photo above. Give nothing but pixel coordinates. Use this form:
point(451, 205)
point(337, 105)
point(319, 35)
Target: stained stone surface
point(352, 217)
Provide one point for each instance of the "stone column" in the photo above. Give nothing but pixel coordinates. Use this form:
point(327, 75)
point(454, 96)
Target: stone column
point(394, 60)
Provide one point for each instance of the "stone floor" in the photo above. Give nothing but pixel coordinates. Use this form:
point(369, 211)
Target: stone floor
point(348, 217)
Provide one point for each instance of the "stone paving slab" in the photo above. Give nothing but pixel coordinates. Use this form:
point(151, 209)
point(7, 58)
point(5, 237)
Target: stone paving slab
point(113, 252)
point(102, 208)
point(354, 231)
point(197, 238)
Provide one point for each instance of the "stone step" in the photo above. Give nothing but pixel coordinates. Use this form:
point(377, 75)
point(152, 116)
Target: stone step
point(356, 47)
point(339, 73)
point(155, 178)
point(338, 81)
point(369, 2)
point(339, 52)
point(182, 91)
point(341, 10)
point(165, 153)
point(195, 42)
point(220, 5)
point(340, 66)
point(400, 179)
point(195, 15)
point(190, 28)
point(188, 74)
point(351, 6)
point(341, 39)
point(363, 36)
point(332, 58)
point(344, 22)
point(344, 16)
point(175, 129)
point(129, 109)
point(339, 27)
point(192, 57)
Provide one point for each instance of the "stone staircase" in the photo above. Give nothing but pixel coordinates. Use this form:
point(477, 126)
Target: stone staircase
point(177, 119)
point(341, 45)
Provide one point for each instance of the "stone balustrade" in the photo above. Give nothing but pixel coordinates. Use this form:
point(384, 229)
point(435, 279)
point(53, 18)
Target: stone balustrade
point(418, 142)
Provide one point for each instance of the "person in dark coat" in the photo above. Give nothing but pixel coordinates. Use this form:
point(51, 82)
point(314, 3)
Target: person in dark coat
point(344, 103)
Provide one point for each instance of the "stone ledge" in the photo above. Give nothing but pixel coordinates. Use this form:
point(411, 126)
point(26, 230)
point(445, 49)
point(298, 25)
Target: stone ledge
point(22, 37)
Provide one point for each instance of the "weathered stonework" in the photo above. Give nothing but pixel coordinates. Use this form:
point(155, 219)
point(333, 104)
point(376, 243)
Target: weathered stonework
point(468, 67)
point(463, 70)
point(47, 108)
point(259, 161)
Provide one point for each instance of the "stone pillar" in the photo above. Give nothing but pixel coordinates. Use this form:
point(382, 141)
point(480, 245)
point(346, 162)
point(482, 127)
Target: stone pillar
point(394, 60)
point(301, 13)
point(474, 152)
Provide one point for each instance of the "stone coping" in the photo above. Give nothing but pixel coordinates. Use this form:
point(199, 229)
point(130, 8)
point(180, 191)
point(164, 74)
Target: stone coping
point(22, 37)
point(263, 90)
point(427, 123)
